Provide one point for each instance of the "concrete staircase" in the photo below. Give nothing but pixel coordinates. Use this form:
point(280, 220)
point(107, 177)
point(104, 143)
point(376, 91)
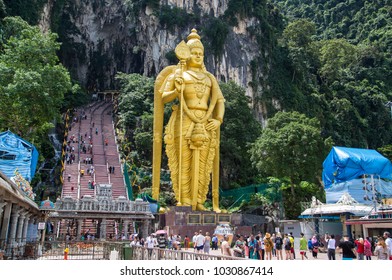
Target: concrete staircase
point(94, 126)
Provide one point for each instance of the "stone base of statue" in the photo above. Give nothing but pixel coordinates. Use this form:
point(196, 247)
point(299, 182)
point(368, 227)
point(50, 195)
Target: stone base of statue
point(182, 220)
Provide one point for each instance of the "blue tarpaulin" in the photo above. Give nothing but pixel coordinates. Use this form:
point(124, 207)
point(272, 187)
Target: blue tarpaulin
point(343, 164)
point(355, 189)
point(16, 154)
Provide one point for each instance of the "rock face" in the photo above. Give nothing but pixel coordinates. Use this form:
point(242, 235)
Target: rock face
point(101, 38)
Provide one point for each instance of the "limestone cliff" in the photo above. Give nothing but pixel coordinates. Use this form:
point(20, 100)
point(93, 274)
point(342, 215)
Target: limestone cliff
point(101, 38)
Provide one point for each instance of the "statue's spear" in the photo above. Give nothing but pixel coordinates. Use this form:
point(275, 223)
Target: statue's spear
point(183, 53)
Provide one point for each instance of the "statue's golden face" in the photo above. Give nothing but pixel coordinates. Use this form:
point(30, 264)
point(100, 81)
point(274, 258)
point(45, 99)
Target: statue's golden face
point(197, 57)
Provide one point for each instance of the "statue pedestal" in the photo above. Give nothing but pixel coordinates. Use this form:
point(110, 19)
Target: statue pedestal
point(182, 220)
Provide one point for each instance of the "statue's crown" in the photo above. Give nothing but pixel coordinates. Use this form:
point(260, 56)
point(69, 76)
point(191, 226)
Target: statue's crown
point(193, 40)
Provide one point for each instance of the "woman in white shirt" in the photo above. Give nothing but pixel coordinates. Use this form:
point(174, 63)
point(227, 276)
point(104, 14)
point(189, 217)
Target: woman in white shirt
point(331, 246)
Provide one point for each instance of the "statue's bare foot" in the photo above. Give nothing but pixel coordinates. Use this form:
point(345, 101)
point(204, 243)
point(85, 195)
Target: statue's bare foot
point(200, 207)
point(217, 210)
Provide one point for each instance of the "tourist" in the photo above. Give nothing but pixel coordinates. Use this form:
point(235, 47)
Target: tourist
point(388, 242)
point(259, 251)
point(315, 246)
point(179, 240)
point(170, 241)
point(368, 248)
point(214, 242)
point(194, 241)
point(310, 246)
point(278, 246)
point(287, 247)
point(207, 243)
point(162, 243)
point(200, 242)
point(360, 248)
point(347, 248)
point(186, 242)
point(225, 247)
point(331, 246)
point(238, 249)
point(268, 246)
point(291, 236)
point(274, 245)
point(150, 244)
point(253, 248)
point(246, 250)
point(303, 246)
point(381, 251)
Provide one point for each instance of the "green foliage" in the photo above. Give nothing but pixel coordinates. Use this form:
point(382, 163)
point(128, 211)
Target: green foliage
point(239, 129)
point(2, 9)
point(171, 17)
point(291, 146)
point(32, 83)
point(297, 37)
point(304, 192)
point(341, 74)
point(135, 114)
point(171, 57)
point(29, 10)
point(386, 151)
point(337, 57)
point(216, 31)
point(353, 20)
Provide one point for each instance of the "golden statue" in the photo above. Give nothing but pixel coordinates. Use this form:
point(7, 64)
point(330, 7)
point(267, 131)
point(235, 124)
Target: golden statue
point(192, 134)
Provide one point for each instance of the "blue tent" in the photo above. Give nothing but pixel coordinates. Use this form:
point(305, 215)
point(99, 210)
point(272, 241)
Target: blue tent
point(344, 164)
point(17, 154)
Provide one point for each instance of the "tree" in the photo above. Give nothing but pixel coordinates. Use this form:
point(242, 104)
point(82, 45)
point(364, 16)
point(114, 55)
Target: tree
point(336, 56)
point(135, 110)
point(298, 38)
point(239, 129)
point(386, 151)
point(291, 146)
point(32, 82)
point(2, 10)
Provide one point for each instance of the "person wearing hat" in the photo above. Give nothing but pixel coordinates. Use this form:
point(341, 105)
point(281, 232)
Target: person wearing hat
point(268, 246)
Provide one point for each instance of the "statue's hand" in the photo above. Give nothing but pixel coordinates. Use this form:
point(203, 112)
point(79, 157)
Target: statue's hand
point(213, 124)
point(178, 82)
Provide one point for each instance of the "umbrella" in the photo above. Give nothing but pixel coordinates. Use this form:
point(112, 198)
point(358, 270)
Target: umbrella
point(161, 231)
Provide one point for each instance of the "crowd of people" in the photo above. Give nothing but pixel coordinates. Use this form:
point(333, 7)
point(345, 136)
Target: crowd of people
point(276, 246)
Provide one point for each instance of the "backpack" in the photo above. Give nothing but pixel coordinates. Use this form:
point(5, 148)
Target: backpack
point(267, 243)
point(278, 241)
point(288, 243)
